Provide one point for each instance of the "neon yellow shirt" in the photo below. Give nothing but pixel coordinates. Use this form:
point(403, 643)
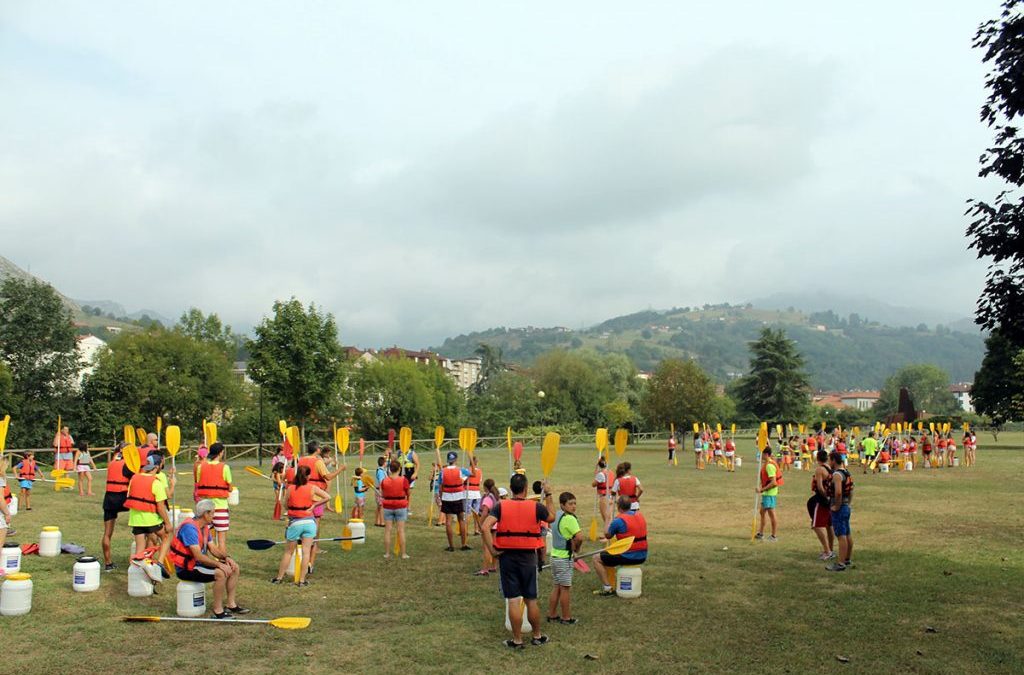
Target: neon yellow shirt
point(145, 518)
point(771, 470)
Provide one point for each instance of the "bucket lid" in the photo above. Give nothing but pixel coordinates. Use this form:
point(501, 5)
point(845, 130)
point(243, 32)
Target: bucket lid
point(51, 528)
point(355, 520)
point(11, 544)
point(18, 576)
point(87, 559)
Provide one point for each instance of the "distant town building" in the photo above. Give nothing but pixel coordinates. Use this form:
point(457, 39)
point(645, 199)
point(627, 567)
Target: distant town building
point(962, 392)
point(89, 347)
point(464, 372)
point(857, 400)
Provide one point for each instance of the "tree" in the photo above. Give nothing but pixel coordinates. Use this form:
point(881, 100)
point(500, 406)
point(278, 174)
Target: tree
point(618, 413)
point(491, 364)
point(297, 360)
point(391, 393)
point(928, 386)
point(777, 387)
point(208, 328)
point(575, 388)
point(160, 372)
point(997, 231)
point(998, 388)
point(37, 344)
point(509, 400)
point(679, 392)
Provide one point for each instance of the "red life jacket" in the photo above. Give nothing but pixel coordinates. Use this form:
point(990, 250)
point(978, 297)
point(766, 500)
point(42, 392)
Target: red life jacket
point(144, 453)
point(474, 480)
point(289, 474)
point(140, 493)
point(602, 488)
point(451, 479)
point(181, 555)
point(636, 527)
point(627, 487)
point(765, 480)
point(27, 470)
point(116, 482)
point(394, 492)
point(518, 527)
point(210, 481)
point(300, 501)
point(730, 446)
point(314, 476)
point(7, 494)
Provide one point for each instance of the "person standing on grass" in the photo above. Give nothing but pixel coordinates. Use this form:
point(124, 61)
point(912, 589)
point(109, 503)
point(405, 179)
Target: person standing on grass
point(84, 466)
point(26, 470)
point(379, 475)
point(698, 450)
point(628, 523)
point(627, 484)
point(769, 491)
point(150, 446)
point(474, 476)
point(359, 490)
point(197, 558)
point(5, 500)
point(818, 506)
point(841, 496)
point(602, 484)
point(566, 540)
point(491, 497)
point(320, 477)
point(394, 493)
point(453, 496)
point(64, 450)
point(870, 446)
point(213, 481)
point(147, 516)
point(303, 498)
point(950, 449)
point(671, 448)
point(514, 543)
point(118, 478)
point(970, 443)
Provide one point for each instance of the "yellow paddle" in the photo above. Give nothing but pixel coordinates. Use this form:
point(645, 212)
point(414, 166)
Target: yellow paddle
point(140, 434)
point(621, 439)
point(256, 472)
point(131, 458)
point(601, 440)
point(284, 622)
point(341, 440)
point(762, 443)
point(173, 440)
point(211, 432)
point(4, 424)
point(614, 547)
point(297, 571)
point(549, 453)
point(439, 436)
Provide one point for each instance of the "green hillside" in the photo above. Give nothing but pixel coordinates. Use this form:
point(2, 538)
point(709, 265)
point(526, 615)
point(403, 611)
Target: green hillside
point(841, 353)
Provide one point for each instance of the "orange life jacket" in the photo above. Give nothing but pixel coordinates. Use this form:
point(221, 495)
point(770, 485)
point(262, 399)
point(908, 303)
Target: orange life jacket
point(627, 487)
point(474, 480)
point(210, 481)
point(636, 527)
point(7, 494)
point(27, 470)
point(602, 488)
point(144, 453)
point(181, 555)
point(140, 493)
point(300, 501)
point(116, 482)
point(730, 446)
point(314, 476)
point(393, 492)
point(765, 480)
point(518, 527)
point(451, 479)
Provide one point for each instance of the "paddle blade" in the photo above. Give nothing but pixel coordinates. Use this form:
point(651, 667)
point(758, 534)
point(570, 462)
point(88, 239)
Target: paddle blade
point(762, 439)
point(405, 439)
point(346, 545)
point(294, 439)
point(6, 422)
point(732, 429)
point(696, 428)
point(131, 458)
point(581, 565)
point(517, 451)
point(508, 438)
point(277, 510)
point(362, 447)
point(463, 439)
point(341, 437)
point(297, 567)
point(65, 482)
point(140, 619)
point(619, 546)
point(472, 440)
point(593, 529)
point(259, 544)
point(173, 439)
point(621, 439)
point(291, 622)
point(439, 437)
point(254, 471)
point(211, 432)
point(601, 440)
point(128, 433)
point(282, 426)
point(140, 434)
point(159, 424)
point(396, 548)
point(337, 504)
point(549, 453)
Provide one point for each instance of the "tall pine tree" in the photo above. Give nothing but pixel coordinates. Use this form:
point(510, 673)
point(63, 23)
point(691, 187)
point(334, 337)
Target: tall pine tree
point(777, 387)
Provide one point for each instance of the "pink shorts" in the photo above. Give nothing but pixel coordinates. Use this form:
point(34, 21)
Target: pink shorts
point(318, 511)
point(221, 520)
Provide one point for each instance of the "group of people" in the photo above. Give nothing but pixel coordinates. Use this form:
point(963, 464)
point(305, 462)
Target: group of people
point(709, 448)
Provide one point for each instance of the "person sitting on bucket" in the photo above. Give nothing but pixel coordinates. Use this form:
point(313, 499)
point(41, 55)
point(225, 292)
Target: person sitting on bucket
point(514, 544)
point(147, 515)
point(628, 523)
point(196, 557)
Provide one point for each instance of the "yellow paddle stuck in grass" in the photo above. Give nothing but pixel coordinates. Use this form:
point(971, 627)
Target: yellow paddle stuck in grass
point(284, 622)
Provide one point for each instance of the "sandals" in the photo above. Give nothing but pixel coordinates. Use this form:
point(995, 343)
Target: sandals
point(450, 549)
point(514, 645)
point(538, 641)
point(465, 548)
point(569, 622)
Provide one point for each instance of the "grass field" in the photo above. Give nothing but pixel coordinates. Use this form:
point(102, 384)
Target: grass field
point(937, 548)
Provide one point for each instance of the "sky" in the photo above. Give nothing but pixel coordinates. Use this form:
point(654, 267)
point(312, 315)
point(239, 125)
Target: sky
point(423, 169)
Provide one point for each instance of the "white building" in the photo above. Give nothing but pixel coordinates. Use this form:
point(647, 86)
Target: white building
point(89, 347)
point(466, 372)
point(962, 392)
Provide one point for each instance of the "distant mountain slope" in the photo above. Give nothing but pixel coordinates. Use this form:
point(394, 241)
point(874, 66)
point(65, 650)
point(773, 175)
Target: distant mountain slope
point(839, 355)
point(868, 309)
point(9, 269)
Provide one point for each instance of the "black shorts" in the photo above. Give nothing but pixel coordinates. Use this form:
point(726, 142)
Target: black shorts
point(609, 560)
point(148, 529)
point(113, 504)
point(454, 508)
point(195, 575)
point(518, 574)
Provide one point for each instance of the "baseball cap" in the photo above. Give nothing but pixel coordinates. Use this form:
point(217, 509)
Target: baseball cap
point(502, 492)
point(452, 456)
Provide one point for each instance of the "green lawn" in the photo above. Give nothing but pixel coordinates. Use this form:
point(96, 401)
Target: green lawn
point(935, 548)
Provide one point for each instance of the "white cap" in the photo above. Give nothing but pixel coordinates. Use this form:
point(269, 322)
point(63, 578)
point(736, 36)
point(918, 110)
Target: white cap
point(502, 492)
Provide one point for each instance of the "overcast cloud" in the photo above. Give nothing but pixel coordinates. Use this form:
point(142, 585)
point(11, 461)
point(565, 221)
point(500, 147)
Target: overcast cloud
point(425, 169)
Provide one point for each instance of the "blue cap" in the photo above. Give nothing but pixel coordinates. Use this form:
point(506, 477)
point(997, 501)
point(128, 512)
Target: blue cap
point(452, 456)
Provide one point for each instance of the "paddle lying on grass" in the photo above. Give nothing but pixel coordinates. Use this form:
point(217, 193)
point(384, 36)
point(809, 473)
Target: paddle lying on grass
point(614, 547)
point(264, 544)
point(284, 622)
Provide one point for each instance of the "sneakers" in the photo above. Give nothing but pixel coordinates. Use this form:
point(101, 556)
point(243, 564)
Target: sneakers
point(225, 615)
point(824, 556)
point(450, 549)
point(153, 571)
point(238, 610)
point(772, 538)
point(759, 535)
point(538, 641)
point(275, 580)
point(302, 584)
point(514, 645)
point(465, 548)
point(847, 563)
point(109, 568)
point(605, 592)
point(831, 555)
point(835, 567)
point(568, 622)
point(481, 573)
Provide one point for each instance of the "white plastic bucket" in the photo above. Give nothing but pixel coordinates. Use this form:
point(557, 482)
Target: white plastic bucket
point(548, 541)
point(12, 508)
point(10, 558)
point(526, 626)
point(49, 542)
point(139, 583)
point(884, 468)
point(86, 574)
point(956, 461)
point(16, 594)
point(797, 464)
point(629, 581)
point(908, 466)
point(739, 462)
point(358, 529)
point(191, 599)
point(233, 497)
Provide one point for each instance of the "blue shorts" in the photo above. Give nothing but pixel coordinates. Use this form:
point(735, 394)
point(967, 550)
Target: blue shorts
point(396, 515)
point(768, 501)
point(304, 528)
point(841, 521)
point(25, 484)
